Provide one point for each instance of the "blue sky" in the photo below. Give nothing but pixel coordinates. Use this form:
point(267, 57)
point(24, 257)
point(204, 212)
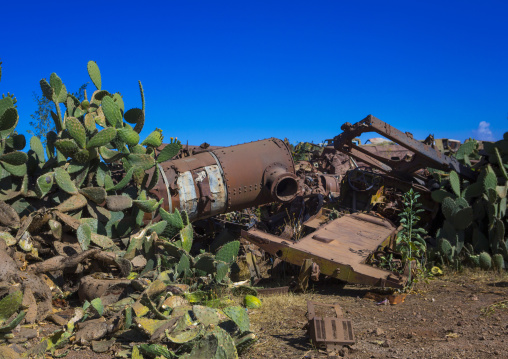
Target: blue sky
point(229, 72)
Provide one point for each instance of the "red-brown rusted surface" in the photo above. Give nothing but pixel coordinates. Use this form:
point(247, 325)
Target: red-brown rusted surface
point(227, 179)
point(340, 248)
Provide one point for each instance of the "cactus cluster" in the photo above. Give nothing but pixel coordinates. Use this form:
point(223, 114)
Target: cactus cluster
point(90, 184)
point(475, 211)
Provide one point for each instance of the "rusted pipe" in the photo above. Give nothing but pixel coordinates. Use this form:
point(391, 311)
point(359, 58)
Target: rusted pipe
point(228, 179)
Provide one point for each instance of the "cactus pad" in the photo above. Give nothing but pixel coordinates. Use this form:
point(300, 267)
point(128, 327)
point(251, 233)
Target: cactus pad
point(485, 261)
point(228, 252)
point(111, 111)
point(239, 316)
point(118, 203)
point(95, 74)
point(76, 130)
point(102, 138)
point(14, 158)
point(10, 305)
point(63, 180)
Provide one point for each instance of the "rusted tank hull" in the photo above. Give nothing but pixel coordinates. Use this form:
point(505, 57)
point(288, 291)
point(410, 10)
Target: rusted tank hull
point(228, 179)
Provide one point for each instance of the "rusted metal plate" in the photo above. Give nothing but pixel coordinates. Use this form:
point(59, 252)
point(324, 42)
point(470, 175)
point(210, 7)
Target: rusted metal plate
point(332, 330)
point(340, 248)
point(272, 291)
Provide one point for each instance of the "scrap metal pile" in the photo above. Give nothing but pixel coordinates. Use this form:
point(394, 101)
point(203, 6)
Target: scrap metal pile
point(140, 246)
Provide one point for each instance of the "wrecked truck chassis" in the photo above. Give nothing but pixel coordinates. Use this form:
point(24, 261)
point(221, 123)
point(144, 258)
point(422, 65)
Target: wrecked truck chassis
point(340, 248)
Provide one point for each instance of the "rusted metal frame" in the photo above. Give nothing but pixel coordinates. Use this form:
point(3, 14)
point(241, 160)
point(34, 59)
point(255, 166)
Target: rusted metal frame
point(368, 159)
point(387, 163)
point(345, 272)
point(431, 156)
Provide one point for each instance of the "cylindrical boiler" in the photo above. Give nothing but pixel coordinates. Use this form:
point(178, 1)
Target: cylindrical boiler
point(228, 179)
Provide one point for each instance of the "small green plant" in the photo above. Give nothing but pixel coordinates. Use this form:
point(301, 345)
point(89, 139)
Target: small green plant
point(409, 240)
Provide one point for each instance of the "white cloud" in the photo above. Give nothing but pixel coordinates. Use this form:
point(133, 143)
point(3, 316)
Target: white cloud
point(483, 132)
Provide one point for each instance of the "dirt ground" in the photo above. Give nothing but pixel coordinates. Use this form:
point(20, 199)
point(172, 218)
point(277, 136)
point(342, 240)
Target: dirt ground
point(444, 318)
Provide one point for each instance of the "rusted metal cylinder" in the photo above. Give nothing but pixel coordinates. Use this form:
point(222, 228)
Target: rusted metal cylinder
point(228, 179)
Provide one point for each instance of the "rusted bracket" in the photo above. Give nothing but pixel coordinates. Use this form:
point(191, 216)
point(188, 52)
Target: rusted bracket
point(424, 155)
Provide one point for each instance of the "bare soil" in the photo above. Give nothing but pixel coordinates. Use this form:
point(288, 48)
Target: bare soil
point(444, 318)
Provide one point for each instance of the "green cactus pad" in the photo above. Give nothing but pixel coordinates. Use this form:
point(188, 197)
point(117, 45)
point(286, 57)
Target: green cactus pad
point(118, 203)
point(73, 203)
point(128, 135)
point(67, 147)
point(36, 146)
point(186, 237)
point(222, 270)
point(498, 261)
point(111, 111)
point(156, 351)
point(76, 130)
point(448, 207)
point(206, 315)
point(465, 149)
point(239, 316)
point(228, 252)
point(205, 263)
point(89, 122)
point(8, 119)
point(102, 138)
point(446, 248)
point(143, 161)
point(110, 156)
point(169, 151)
point(95, 74)
point(154, 139)
point(485, 261)
point(44, 184)
point(59, 90)
point(102, 241)
point(216, 344)
point(96, 194)
point(14, 158)
point(17, 171)
point(439, 195)
point(63, 180)
point(157, 227)
point(134, 115)
point(183, 266)
point(184, 336)
point(463, 218)
point(147, 206)
point(16, 142)
point(82, 156)
point(10, 305)
point(455, 183)
point(489, 181)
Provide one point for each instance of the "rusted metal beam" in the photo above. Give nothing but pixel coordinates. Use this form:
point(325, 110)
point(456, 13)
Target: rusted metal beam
point(425, 155)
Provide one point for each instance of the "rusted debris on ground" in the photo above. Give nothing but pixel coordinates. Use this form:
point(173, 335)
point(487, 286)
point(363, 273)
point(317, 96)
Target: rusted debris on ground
point(329, 331)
